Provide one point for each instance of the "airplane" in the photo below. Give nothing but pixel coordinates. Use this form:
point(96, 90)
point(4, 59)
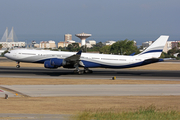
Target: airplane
point(55, 59)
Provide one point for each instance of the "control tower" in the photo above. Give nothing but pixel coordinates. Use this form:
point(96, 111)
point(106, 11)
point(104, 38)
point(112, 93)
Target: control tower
point(83, 37)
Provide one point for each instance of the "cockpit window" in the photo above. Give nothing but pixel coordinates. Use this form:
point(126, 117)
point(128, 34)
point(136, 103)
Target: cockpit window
point(8, 52)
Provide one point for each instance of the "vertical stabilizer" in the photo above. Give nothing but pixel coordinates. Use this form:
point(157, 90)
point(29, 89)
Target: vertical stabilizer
point(155, 49)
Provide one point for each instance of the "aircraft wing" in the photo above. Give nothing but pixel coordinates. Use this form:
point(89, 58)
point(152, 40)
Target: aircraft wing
point(74, 58)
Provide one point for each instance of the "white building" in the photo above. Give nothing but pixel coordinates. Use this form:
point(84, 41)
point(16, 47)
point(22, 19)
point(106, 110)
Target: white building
point(65, 43)
point(52, 44)
point(12, 44)
point(47, 44)
point(90, 43)
point(167, 46)
point(37, 45)
point(109, 42)
point(71, 41)
point(146, 44)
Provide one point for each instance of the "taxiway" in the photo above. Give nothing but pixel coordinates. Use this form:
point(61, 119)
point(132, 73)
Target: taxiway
point(96, 90)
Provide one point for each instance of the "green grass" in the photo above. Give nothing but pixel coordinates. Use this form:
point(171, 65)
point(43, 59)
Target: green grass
point(143, 113)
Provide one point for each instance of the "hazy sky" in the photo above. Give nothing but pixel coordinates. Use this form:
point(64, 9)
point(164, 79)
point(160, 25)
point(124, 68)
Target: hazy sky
point(138, 20)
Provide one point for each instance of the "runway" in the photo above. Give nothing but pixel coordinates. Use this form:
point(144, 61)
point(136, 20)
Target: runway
point(91, 90)
point(98, 73)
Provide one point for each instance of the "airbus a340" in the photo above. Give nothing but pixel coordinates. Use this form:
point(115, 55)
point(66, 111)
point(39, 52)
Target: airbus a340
point(55, 59)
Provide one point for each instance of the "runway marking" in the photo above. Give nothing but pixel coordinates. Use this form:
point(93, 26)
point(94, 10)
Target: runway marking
point(1, 91)
point(13, 91)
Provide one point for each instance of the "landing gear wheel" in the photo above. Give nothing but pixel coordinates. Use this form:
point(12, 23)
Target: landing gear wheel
point(86, 70)
point(80, 72)
point(90, 71)
point(17, 66)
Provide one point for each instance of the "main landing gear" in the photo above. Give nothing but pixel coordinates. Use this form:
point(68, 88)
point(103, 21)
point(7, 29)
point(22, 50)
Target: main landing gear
point(17, 66)
point(86, 70)
point(80, 72)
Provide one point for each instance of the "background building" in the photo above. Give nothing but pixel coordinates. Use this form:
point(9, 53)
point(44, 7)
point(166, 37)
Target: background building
point(67, 37)
point(47, 44)
point(36, 45)
point(109, 42)
point(146, 44)
point(52, 44)
point(90, 43)
point(168, 46)
point(12, 44)
point(175, 44)
point(65, 43)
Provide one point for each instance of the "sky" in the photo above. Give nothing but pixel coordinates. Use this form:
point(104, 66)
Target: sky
point(139, 20)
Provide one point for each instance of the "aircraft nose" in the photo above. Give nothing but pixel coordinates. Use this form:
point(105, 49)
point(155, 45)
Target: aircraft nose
point(6, 54)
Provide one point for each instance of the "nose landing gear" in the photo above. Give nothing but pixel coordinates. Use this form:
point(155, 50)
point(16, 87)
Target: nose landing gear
point(17, 66)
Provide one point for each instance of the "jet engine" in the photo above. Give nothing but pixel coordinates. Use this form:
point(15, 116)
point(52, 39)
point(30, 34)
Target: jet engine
point(56, 62)
point(47, 64)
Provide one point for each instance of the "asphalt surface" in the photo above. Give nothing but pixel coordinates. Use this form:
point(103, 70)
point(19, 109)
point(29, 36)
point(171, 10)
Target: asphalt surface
point(98, 73)
point(96, 90)
point(3, 92)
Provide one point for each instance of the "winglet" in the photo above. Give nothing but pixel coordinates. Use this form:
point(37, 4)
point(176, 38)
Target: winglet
point(79, 53)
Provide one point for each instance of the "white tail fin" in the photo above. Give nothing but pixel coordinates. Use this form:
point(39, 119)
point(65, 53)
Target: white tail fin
point(155, 49)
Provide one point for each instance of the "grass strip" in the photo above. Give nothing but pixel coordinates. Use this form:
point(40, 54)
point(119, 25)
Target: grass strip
point(74, 105)
point(42, 81)
point(142, 113)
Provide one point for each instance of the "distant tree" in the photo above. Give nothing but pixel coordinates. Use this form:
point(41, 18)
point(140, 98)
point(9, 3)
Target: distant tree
point(73, 47)
point(105, 49)
point(0, 46)
point(166, 55)
point(2, 54)
point(97, 47)
point(124, 47)
point(55, 49)
point(84, 48)
point(178, 44)
point(99, 44)
point(70, 47)
point(141, 47)
point(172, 51)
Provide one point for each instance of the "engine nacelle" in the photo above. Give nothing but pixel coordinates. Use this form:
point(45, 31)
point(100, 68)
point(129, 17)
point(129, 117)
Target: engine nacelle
point(56, 62)
point(47, 64)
